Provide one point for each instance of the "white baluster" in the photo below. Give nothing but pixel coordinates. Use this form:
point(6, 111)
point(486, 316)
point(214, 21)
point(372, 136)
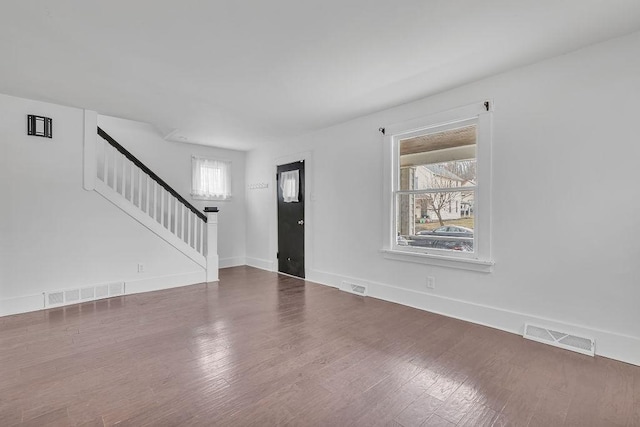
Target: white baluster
point(115, 170)
point(183, 223)
point(176, 204)
point(131, 186)
point(153, 198)
point(162, 221)
point(169, 212)
point(194, 226)
point(172, 215)
point(156, 201)
point(179, 230)
point(169, 197)
point(140, 188)
point(196, 231)
point(124, 177)
point(194, 220)
point(189, 238)
point(201, 225)
point(148, 194)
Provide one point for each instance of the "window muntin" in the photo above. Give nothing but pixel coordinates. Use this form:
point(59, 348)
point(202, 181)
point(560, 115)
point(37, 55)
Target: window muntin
point(435, 172)
point(211, 179)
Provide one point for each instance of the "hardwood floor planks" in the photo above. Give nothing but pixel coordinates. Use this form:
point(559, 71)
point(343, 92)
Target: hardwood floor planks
point(262, 349)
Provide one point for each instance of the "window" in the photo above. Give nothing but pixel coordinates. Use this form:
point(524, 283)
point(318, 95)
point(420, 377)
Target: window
point(211, 179)
point(290, 185)
point(438, 188)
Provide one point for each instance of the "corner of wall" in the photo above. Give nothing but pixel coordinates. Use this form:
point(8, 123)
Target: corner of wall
point(262, 264)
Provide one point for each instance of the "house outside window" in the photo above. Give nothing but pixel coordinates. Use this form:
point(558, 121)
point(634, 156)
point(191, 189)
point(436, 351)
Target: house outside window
point(211, 179)
point(439, 175)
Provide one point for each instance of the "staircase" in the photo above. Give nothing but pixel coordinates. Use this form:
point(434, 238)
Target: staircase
point(117, 175)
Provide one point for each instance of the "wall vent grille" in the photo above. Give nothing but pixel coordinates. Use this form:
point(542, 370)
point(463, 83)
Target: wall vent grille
point(72, 296)
point(354, 288)
point(102, 291)
point(116, 289)
point(88, 293)
point(55, 298)
point(564, 340)
point(91, 293)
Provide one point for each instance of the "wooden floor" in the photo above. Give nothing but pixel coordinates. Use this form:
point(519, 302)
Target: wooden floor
point(262, 349)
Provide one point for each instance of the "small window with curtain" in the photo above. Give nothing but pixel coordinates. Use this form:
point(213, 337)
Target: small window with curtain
point(290, 186)
point(211, 179)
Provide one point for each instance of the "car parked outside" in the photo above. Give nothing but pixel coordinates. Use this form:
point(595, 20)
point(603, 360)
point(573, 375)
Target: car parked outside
point(449, 230)
point(455, 238)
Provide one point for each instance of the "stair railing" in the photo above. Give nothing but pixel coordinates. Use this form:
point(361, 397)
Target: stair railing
point(120, 170)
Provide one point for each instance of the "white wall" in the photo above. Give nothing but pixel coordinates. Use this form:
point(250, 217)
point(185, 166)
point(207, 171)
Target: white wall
point(55, 235)
point(171, 161)
point(565, 144)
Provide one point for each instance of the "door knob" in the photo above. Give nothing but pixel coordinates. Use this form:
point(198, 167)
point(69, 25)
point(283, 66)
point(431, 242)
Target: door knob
point(301, 222)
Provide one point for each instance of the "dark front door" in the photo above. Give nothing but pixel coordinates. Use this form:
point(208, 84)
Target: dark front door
point(290, 186)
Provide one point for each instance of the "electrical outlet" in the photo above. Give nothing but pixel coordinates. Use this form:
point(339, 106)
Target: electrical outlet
point(140, 267)
point(431, 282)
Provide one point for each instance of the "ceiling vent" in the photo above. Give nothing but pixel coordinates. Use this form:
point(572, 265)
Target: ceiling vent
point(564, 340)
point(176, 135)
point(91, 293)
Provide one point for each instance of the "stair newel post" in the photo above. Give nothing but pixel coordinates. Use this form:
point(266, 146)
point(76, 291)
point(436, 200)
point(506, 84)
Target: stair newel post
point(212, 244)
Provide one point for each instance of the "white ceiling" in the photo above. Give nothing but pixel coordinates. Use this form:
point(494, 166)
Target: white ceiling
point(237, 74)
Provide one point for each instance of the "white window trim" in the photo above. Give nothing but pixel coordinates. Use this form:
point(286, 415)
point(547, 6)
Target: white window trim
point(480, 259)
point(214, 198)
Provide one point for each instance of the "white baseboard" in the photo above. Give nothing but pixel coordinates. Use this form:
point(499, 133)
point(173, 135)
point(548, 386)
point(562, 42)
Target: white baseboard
point(262, 264)
point(165, 282)
point(608, 344)
point(232, 262)
point(24, 304)
point(35, 302)
point(325, 278)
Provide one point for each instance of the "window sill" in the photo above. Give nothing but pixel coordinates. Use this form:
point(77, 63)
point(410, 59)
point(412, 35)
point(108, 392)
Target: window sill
point(482, 266)
point(220, 199)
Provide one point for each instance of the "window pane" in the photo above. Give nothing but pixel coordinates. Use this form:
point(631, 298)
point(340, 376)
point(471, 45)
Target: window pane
point(439, 160)
point(431, 221)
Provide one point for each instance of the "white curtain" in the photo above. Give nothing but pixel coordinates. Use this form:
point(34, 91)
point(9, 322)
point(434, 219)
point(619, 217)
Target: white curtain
point(290, 184)
point(211, 178)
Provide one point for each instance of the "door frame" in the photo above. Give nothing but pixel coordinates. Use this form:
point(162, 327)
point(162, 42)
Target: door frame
point(307, 157)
